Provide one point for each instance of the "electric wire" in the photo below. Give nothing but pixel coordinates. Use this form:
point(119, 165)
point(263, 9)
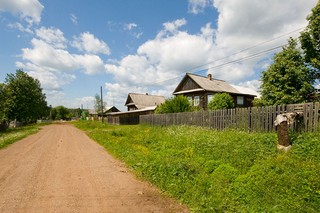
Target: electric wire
point(238, 52)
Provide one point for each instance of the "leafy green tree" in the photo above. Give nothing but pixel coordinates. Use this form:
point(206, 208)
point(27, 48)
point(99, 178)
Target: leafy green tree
point(97, 104)
point(288, 80)
point(173, 105)
point(310, 42)
point(2, 102)
point(24, 100)
point(221, 101)
point(75, 112)
point(60, 112)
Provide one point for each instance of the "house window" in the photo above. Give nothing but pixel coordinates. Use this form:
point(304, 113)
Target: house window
point(209, 98)
point(196, 101)
point(240, 100)
point(190, 100)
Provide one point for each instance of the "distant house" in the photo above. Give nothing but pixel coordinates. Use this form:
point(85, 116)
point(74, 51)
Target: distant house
point(93, 114)
point(200, 90)
point(140, 101)
point(129, 117)
point(137, 104)
point(111, 109)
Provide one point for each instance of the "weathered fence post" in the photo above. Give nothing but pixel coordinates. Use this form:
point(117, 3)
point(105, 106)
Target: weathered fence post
point(283, 131)
point(282, 122)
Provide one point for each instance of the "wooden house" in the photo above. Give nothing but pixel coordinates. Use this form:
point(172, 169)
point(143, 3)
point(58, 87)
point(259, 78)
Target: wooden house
point(111, 109)
point(137, 104)
point(140, 101)
point(200, 90)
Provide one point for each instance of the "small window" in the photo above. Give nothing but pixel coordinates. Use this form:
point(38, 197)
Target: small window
point(196, 100)
point(190, 100)
point(210, 98)
point(240, 100)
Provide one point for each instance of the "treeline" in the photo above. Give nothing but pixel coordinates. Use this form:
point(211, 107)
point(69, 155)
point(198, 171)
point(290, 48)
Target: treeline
point(63, 113)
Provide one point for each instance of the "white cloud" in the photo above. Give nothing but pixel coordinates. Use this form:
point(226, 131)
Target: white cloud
point(242, 23)
point(47, 56)
point(52, 36)
point(86, 102)
point(198, 6)
point(130, 26)
point(172, 27)
point(49, 60)
point(20, 27)
point(91, 64)
point(173, 52)
point(133, 29)
point(52, 80)
point(88, 43)
point(165, 57)
point(254, 84)
point(28, 10)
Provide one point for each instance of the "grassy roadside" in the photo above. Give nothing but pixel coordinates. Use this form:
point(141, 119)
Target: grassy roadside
point(213, 171)
point(12, 135)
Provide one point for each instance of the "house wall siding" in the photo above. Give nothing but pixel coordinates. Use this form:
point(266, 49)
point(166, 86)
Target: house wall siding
point(203, 102)
point(189, 85)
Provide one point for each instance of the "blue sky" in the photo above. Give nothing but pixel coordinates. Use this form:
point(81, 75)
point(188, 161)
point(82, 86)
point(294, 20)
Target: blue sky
point(74, 47)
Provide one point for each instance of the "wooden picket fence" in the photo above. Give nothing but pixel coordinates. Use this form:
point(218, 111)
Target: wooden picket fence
point(258, 119)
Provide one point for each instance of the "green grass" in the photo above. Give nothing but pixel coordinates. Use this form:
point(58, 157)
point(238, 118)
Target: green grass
point(12, 135)
point(212, 171)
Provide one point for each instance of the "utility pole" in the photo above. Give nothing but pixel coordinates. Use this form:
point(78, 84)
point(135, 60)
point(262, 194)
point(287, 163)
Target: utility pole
point(101, 105)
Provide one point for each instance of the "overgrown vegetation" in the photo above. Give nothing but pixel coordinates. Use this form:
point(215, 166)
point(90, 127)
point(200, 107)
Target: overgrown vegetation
point(176, 104)
point(221, 101)
point(12, 135)
point(213, 171)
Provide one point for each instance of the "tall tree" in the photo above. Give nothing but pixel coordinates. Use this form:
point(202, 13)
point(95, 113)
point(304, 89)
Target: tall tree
point(2, 103)
point(24, 98)
point(97, 104)
point(60, 112)
point(288, 80)
point(310, 41)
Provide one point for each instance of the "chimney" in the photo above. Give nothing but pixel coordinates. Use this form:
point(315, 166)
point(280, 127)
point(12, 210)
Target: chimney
point(209, 76)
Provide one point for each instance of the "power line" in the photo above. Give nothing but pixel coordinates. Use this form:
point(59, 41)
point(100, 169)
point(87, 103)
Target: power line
point(238, 60)
point(231, 62)
point(251, 47)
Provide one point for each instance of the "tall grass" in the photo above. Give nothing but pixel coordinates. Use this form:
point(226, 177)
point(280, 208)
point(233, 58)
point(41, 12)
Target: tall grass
point(12, 135)
point(213, 171)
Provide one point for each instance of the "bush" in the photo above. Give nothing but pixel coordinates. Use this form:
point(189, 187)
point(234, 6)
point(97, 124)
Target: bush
point(221, 101)
point(173, 105)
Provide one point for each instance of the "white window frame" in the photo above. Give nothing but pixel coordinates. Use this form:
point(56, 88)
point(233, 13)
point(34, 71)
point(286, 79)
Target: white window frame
point(240, 100)
point(209, 98)
point(196, 100)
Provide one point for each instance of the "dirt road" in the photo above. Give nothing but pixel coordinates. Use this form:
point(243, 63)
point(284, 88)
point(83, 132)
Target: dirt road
point(60, 169)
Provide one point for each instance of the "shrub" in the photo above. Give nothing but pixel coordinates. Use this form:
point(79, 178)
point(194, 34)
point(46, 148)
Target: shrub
point(173, 105)
point(221, 101)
